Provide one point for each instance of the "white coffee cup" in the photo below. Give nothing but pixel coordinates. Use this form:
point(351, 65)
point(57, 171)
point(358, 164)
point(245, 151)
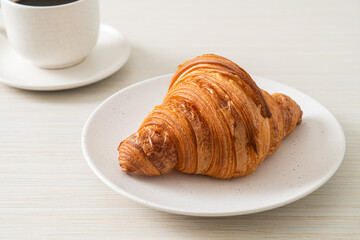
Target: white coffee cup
point(55, 36)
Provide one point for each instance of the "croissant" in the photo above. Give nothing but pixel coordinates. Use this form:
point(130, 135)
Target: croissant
point(214, 120)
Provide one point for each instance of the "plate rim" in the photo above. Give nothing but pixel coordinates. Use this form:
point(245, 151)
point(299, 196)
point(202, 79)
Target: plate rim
point(81, 83)
point(201, 213)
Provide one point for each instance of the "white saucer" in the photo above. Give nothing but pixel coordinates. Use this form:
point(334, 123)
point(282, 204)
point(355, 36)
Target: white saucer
point(109, 55)
point(306, 159)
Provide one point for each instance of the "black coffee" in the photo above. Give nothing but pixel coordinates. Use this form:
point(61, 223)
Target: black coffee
point(44, 3)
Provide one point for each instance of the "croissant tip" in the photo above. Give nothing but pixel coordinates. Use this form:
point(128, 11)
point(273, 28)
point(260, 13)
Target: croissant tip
point(300, 118)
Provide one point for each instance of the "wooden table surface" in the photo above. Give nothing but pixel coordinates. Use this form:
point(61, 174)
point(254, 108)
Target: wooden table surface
point(47, 190)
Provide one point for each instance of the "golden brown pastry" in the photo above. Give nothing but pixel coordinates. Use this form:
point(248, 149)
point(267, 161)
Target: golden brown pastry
point(214, 121)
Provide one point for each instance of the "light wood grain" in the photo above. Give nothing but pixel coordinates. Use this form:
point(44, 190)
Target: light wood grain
point(47, 191)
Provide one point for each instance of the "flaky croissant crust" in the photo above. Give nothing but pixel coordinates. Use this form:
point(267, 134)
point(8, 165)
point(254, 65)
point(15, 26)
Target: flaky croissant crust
point(214, 120)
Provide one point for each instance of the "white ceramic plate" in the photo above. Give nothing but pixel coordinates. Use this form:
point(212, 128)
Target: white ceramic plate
point(109, 55)
point(304, 161)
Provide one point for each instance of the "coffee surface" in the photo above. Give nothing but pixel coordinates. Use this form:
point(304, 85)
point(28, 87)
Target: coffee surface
point(44, 2)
